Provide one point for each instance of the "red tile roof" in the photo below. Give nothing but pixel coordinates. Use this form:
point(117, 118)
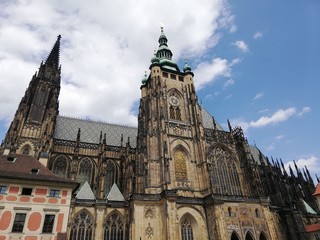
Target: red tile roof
point(317, 192)
point(21, 168)
point(312, 228)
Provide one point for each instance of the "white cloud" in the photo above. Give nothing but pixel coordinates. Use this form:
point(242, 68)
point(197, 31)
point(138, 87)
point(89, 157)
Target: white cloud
point(264, 110)
point(303, 111)
point(279, 116)
point(228, 83)
point(279, 137)
point(106, 47)
point(270, 147)
point(207, 72)
point(258, 96)
point(241, 45)
point(258, 35)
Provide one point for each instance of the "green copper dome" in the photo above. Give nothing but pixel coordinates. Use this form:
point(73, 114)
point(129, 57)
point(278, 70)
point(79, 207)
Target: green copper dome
point(155, 59)
point(186, 68)
point(145, 79)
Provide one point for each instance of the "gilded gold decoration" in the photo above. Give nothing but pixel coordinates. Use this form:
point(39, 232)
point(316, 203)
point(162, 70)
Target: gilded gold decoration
point(180, 165)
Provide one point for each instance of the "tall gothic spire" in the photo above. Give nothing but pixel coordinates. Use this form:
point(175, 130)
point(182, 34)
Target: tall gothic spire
point(53, 58)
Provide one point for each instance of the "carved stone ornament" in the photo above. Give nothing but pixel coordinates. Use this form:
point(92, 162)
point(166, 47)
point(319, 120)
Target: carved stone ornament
point(149, 212)
point(174, 101)
point(149, 231)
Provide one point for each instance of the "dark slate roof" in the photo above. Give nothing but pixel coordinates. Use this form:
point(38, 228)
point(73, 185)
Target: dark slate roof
point(21, 166)
point(257, 155)
point(115, 194)
point(67, 129)
point(85, 192)
point(207, 120)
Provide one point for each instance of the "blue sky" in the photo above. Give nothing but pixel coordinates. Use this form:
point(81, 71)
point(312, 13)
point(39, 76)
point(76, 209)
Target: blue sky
point(255, 62)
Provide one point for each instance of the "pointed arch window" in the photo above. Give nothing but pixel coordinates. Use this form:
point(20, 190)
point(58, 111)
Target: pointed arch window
point(234, 236)
point(249, 236)
point(60, 166)
point(111, 176)
point(180, 165)
point(171, 112)
point(262, 236)
point(82, 227)
point(38, 104)
point(223, 172)
point(114, 227)
point(229, 211)
point(257, 213)
point(178, 114)
point(85, 171)
point(174, 109)
point(186, 229)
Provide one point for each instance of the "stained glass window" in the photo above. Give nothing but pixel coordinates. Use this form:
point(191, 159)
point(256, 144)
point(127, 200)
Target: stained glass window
point(111, 176)
point(85, 171)
point(180, 165)
point(60, 166)
point(223, 171)
point(114, 227)
point(82, 227)
point(186, 230)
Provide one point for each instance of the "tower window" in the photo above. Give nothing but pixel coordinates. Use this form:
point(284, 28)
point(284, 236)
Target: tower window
point(229, 211)
point(257, 213)
point(171, 110)
point(172, 76)
point(180, 166)
point(186, 230)
point(178, 114)
point(164, 74)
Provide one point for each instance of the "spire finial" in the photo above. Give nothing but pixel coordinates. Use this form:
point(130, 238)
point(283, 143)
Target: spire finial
point(53, 58)
point(161, 27)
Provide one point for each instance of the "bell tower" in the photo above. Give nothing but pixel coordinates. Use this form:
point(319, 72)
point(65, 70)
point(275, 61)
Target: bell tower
point(32, 128)
point(171, 141)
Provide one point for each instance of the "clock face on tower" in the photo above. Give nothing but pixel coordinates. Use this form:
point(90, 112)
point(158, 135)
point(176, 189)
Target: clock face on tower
point(174, 101)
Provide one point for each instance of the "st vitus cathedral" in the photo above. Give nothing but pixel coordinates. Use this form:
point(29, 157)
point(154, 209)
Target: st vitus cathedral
point(179, 175)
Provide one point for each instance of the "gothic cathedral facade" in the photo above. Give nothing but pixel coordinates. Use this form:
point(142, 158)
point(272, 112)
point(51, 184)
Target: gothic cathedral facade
point(178, 175)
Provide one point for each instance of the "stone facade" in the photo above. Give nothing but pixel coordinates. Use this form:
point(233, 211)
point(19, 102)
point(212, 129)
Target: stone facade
point(181, 176)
